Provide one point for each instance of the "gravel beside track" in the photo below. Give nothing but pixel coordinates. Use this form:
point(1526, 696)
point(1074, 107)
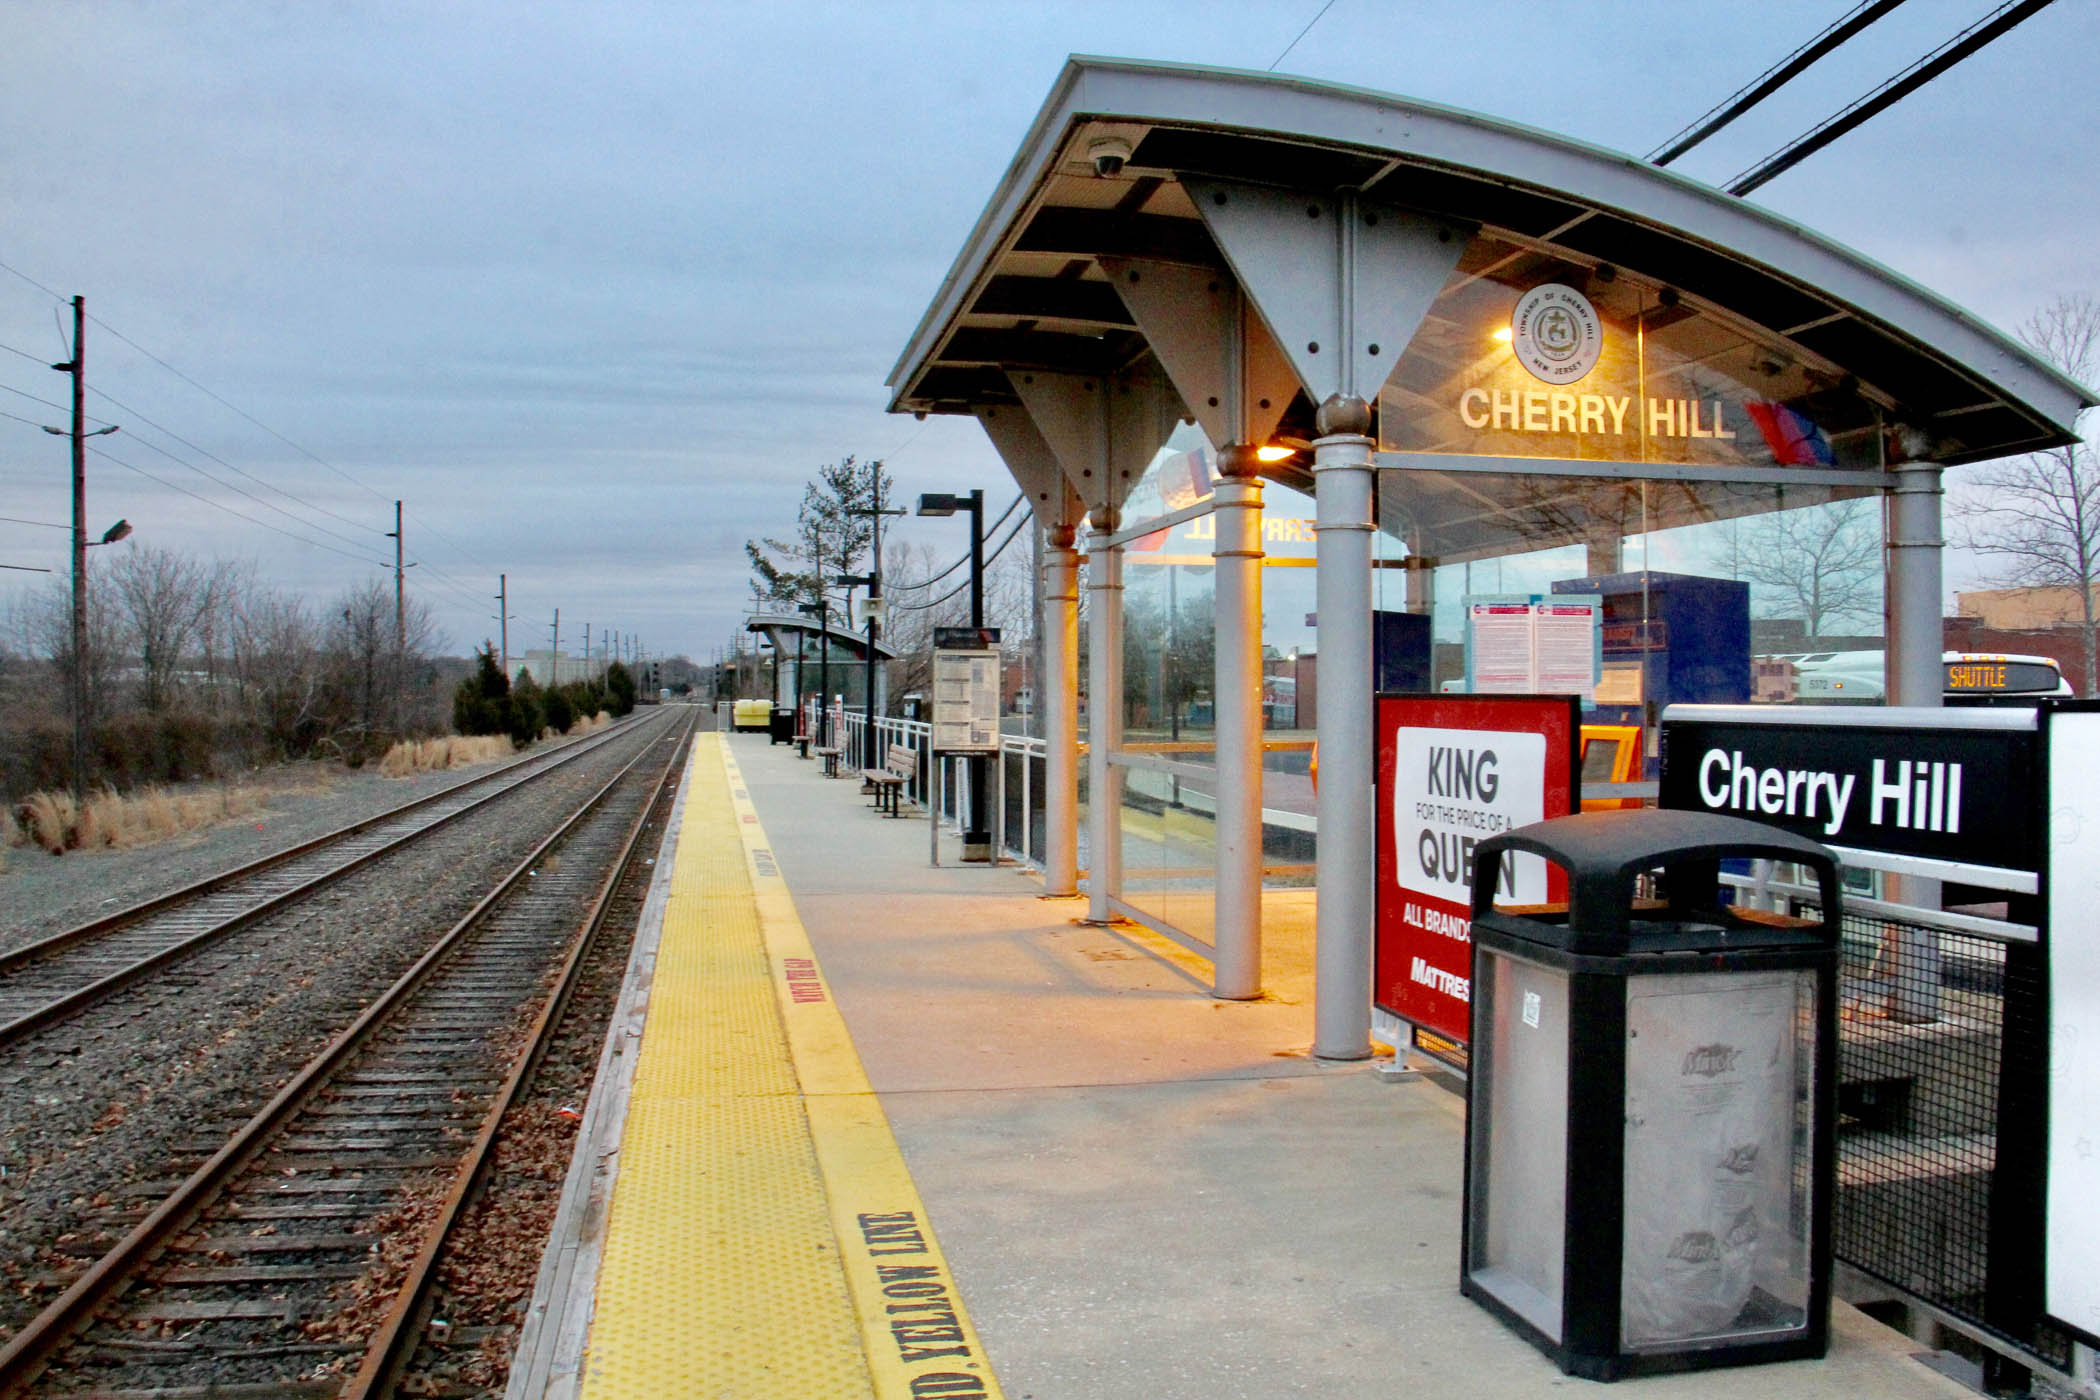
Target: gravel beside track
point(41, 894)
point(101, 1114)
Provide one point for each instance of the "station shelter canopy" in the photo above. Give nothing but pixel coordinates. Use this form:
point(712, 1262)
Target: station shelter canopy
point(1710, 346)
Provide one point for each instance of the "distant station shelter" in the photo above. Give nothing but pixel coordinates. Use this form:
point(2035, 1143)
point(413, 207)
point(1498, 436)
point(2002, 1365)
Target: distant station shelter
point(1497, 361)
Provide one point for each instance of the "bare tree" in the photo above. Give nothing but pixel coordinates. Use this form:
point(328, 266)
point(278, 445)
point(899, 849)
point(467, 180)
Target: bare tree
point(276, 647)
point(1818, 564)
point(2041, 513)
point(50, 628)
point(162, 598)
point(362, 667)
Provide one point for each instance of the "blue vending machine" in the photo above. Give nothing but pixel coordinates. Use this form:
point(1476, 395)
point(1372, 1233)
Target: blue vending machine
point(1669, 639)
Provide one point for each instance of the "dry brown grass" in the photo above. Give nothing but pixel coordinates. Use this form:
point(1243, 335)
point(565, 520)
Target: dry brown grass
point(436, 755)
point(113, 820)
point(589, 724)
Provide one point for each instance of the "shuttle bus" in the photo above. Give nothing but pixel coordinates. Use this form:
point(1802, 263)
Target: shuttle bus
point(1856, 677)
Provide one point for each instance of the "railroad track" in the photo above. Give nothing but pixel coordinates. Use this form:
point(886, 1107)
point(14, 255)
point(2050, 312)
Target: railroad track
point(296, 1261)
point(48, 980)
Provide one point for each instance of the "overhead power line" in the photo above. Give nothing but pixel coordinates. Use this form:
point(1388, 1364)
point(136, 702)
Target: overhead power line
point(242, 515)
point(212, 456)
point(2000, 21)
point(989, 560)
point(241, 412)
point(936, 578)
point(1770, 81)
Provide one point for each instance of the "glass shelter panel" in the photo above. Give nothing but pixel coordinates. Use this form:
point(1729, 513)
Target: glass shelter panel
point(1713, 591)
point(1530, 354)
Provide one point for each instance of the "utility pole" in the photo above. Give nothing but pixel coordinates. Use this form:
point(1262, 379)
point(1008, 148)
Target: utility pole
point(554, 650)
point(503, 619)
point(400, 627)
point(77, 367)
point(875, 512)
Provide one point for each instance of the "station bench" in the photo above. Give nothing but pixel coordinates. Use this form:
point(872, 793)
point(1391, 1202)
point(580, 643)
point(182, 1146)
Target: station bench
point(898, 768)
point(830, 755)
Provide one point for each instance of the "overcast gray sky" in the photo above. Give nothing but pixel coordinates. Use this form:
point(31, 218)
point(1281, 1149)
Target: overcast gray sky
point(594, 288)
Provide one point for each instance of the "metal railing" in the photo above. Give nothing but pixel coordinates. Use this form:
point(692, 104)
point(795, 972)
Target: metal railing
point(1015, 806)
point(1942, 1116)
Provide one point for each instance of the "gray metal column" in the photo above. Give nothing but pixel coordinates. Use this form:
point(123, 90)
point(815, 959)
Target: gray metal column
point(1236, 966)
point(1914, 676)
point(1104, 707)
point(1058, 689)
point(1342, 484)
point(1916, 630)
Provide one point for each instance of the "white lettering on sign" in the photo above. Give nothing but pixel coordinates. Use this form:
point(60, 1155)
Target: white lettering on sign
point(1449, 983)
point(1920, 796)
point(1589, 415)
point(1454, 788)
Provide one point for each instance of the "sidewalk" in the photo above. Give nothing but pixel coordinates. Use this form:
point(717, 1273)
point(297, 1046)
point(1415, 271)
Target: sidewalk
point(1144, 1194)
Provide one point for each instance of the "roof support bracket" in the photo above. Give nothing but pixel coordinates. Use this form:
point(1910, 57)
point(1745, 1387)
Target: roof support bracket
point(1020, 444)
point(1103, 429)
point(1342, 283)
point(1229, 370)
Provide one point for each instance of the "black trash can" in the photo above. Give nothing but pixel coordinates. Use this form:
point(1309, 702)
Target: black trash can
point(1651, 1099)
point(781, 727)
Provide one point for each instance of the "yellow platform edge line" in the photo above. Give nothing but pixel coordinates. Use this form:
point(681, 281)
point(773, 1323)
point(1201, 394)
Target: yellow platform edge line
point(720, 1274)
point(920, 1342)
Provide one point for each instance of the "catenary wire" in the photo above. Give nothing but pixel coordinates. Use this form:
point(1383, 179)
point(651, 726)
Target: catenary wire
point(32, 282)
point(936, 578)
point(214, 457)
point(110, 457)
point(1771, 80)
point(989, 559)
point(1301, 35)
point(47, 524)
point(234, 408)
point(1999, 22)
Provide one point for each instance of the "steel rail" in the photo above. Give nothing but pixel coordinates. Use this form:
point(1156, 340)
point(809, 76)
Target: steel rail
point(88, 993)
point(110, 923)
point(25, 1355)
point(393, 1347)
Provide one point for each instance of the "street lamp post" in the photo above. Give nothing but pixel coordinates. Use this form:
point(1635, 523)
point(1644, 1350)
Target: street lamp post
point(977, 841)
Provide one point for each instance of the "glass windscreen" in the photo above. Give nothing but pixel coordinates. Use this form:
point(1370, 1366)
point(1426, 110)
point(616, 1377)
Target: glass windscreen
point(1526, 354)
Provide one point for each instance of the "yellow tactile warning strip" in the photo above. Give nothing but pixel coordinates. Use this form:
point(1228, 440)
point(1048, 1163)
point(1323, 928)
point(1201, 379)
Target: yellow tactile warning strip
point(720, 1274)
point(920, 1344)
point(764, 1238)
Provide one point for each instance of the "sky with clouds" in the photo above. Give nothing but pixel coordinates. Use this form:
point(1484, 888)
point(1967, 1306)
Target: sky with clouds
point(595, 288)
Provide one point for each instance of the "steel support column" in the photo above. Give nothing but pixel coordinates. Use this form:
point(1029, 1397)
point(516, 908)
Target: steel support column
point(1104, 734)
point(1915, 633)
point(1342, 484)
point(1058, 693)
point(1236, 967)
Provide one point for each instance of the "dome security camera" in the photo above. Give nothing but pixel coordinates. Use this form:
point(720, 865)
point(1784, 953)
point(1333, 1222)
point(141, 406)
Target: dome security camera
point(1108, 155)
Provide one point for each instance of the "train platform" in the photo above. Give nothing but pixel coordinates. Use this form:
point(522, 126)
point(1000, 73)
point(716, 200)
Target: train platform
point(871, 1128)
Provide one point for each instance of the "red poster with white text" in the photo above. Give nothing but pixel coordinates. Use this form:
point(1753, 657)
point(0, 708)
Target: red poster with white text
point(1454, 770)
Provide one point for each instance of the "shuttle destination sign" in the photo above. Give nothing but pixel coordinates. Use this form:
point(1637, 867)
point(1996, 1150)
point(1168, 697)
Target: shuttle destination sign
point(1454, 770)
point(1959, 786)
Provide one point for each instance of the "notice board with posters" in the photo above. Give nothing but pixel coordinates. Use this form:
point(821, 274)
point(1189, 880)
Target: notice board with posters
point(1534, 643)
point(966, 690)
point(1454, 770)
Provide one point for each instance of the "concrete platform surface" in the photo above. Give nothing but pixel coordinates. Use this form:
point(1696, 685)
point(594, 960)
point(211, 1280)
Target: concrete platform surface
point(1146, 1194)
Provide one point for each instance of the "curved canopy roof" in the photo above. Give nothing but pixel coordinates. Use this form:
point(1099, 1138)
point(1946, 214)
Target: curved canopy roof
point(1028, 290)
point(781, 628)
